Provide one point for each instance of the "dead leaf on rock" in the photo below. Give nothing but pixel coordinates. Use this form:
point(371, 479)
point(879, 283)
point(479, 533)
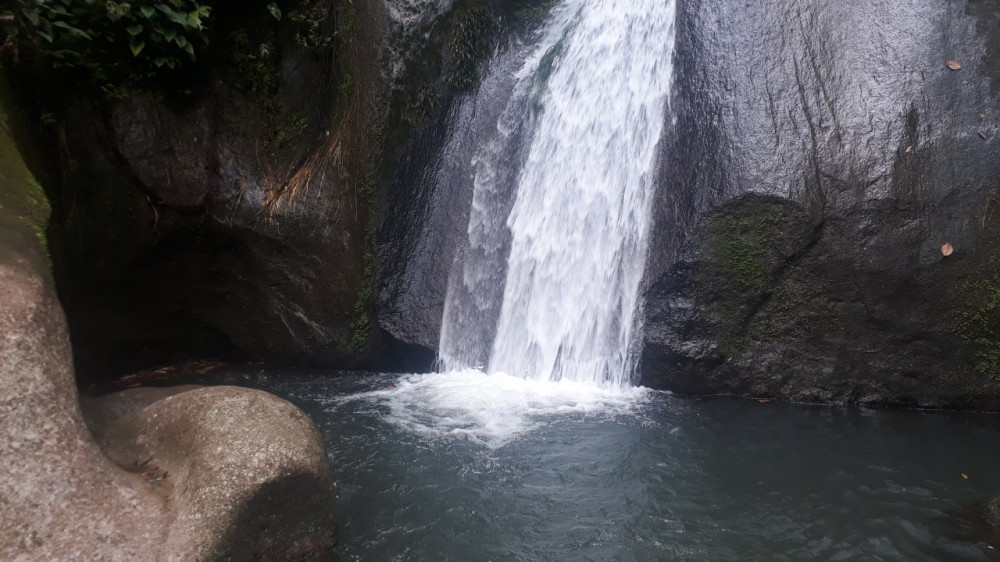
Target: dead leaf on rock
point(909, 149)
point(965, 476)
point(954, 64)
point(947, 249)
point(982, 134)
point(982, 116)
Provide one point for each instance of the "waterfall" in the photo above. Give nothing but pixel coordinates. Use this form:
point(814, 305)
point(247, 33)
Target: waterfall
point(548, 287)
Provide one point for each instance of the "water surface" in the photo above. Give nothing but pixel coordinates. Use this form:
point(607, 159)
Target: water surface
point(458, 467)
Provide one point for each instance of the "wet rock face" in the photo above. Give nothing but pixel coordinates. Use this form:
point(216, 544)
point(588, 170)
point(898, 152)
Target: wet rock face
point(992, 513)
point(223, 222)
point(821, 158)
point(429, 193)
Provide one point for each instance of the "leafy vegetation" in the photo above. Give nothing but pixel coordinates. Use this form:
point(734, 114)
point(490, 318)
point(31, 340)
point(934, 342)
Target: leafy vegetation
point(109, 39)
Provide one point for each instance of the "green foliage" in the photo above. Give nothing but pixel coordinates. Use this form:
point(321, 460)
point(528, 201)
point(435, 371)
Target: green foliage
point(308, 25)
point(361, 326)
point(109, 37)
point(254, 68)
point(274, 10)
point(420, 104)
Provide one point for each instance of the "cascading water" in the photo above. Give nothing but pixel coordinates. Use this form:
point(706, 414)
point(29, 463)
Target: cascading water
point(564, 192)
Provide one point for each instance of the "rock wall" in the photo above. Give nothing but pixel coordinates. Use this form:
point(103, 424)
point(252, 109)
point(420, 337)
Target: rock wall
point(218, 473)
point(467, 74)
point(225, 216)
point(818, 158)
point(823, 155)
point(263, 211)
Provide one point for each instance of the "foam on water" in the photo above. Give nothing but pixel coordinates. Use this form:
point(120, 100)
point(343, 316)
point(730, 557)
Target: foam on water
point(492, 410)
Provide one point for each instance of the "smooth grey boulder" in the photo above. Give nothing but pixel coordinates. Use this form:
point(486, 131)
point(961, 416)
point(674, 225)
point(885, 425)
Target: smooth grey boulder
point(244, 474)
point(60, 497)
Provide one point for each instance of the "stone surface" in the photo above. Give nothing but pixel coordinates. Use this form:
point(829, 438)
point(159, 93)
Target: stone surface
point(223, 221)
point(248, 477)
point(992, 513)
point(244, 472)
point(60, 497)
point(822, 155)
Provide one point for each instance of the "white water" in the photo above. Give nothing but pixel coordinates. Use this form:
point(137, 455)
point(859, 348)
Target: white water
point(492, 410)
point(581, 131)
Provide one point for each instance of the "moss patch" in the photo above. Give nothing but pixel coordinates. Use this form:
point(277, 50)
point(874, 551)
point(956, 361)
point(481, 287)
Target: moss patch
point(749, 260)
point(744, 249)
point(977, 320)
point(19, 191)
point(361, 326)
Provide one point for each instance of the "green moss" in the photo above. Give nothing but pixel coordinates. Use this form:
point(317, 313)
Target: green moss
point(742, 247)
point(20, 193)
point(977, 321)
point(472, 40)
point(743, 257)
point(361, 326)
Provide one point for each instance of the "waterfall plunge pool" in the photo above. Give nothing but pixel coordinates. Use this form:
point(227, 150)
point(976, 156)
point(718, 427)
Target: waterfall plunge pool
point(467, 467)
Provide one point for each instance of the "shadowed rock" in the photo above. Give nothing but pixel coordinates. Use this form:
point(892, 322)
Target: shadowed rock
point(244, 474)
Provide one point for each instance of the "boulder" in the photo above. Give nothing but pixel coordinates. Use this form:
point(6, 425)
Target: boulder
point(60, 497)
point(244, 474)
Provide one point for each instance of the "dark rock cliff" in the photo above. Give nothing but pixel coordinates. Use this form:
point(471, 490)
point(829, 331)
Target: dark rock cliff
point(225, 214)
point(823, 155)
point(259, 206)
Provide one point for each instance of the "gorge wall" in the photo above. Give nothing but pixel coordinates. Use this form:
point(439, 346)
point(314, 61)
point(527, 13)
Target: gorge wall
point(304, 199)
point(817, 160)
point(823, 156)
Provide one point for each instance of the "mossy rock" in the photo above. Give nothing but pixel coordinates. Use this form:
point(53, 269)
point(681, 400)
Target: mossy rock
point(21, 196)
point(746, 247)
point(992, 512)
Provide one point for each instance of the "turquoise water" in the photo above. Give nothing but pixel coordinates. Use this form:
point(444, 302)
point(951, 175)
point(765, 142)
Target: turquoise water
point(466, 470)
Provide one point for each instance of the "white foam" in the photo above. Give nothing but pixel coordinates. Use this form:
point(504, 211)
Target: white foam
point(493, 410)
